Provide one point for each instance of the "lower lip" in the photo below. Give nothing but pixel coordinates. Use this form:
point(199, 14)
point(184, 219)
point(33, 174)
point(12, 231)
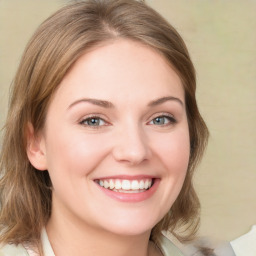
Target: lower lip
point(131, 197)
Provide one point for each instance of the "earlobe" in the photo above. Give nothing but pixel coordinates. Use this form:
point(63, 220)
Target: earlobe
point(36, 149)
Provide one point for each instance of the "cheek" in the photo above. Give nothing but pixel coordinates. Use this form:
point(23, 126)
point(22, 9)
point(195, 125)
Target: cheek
point(75, 153)
point(174, 152)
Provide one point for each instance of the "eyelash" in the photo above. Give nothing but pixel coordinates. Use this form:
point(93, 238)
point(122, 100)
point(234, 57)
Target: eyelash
point(171, 120)
point(93, 117)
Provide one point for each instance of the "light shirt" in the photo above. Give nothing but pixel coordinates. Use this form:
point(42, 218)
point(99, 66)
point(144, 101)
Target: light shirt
point(245, 245)
point(166, 246)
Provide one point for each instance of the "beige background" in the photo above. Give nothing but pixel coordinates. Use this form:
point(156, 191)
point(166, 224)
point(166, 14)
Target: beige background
point(221, 37)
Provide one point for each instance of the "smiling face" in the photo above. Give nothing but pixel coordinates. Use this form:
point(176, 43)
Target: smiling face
point(116, 140)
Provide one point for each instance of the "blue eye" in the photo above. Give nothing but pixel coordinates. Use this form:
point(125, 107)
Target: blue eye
point(93, 122)
point(163, 120)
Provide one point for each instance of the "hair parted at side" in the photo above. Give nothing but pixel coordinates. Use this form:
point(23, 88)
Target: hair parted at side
point(25, 193)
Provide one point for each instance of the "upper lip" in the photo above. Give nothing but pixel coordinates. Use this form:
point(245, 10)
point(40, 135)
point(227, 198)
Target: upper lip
point(127, 177)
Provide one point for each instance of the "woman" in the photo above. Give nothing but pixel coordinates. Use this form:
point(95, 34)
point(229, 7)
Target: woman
point(102, 137)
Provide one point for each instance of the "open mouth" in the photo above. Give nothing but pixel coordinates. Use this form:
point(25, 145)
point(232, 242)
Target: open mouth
point(125, 185)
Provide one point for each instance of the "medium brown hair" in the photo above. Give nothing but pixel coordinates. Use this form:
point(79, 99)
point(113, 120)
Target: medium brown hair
point(54, 48)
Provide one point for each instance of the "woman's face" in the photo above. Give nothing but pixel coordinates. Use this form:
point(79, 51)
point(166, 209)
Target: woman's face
point(116, 140)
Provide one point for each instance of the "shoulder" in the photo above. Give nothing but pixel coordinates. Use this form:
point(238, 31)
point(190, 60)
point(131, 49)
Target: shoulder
point(13, 250)
point(168, 248)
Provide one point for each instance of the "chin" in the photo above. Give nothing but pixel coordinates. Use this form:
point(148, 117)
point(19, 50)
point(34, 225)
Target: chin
point(130, 231)
point(132, 227)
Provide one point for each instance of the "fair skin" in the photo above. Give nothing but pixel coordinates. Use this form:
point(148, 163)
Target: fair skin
point(118, 117)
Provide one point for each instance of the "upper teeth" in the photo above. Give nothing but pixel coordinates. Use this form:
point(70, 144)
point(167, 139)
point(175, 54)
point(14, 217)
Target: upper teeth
point(125, 184)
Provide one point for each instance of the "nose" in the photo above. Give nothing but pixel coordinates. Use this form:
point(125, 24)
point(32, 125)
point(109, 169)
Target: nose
point(131, 146)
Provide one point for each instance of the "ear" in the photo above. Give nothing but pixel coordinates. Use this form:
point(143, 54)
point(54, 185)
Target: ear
point(36, 149)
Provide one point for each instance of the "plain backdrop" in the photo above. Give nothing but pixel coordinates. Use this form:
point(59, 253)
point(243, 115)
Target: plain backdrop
point(221, 37)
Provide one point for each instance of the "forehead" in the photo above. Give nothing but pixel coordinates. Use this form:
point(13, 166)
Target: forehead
point(126, 67)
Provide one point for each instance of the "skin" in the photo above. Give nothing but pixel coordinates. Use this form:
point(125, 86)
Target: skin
point(136, 134)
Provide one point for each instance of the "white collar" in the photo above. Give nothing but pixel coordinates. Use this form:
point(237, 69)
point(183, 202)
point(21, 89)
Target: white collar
point(47, 248)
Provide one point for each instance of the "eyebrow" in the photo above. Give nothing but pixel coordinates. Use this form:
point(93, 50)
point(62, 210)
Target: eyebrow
point(163, 100)
point(97, 102)
point(108, 104)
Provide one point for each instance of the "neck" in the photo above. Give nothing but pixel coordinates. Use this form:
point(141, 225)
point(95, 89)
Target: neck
point(68, 238)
